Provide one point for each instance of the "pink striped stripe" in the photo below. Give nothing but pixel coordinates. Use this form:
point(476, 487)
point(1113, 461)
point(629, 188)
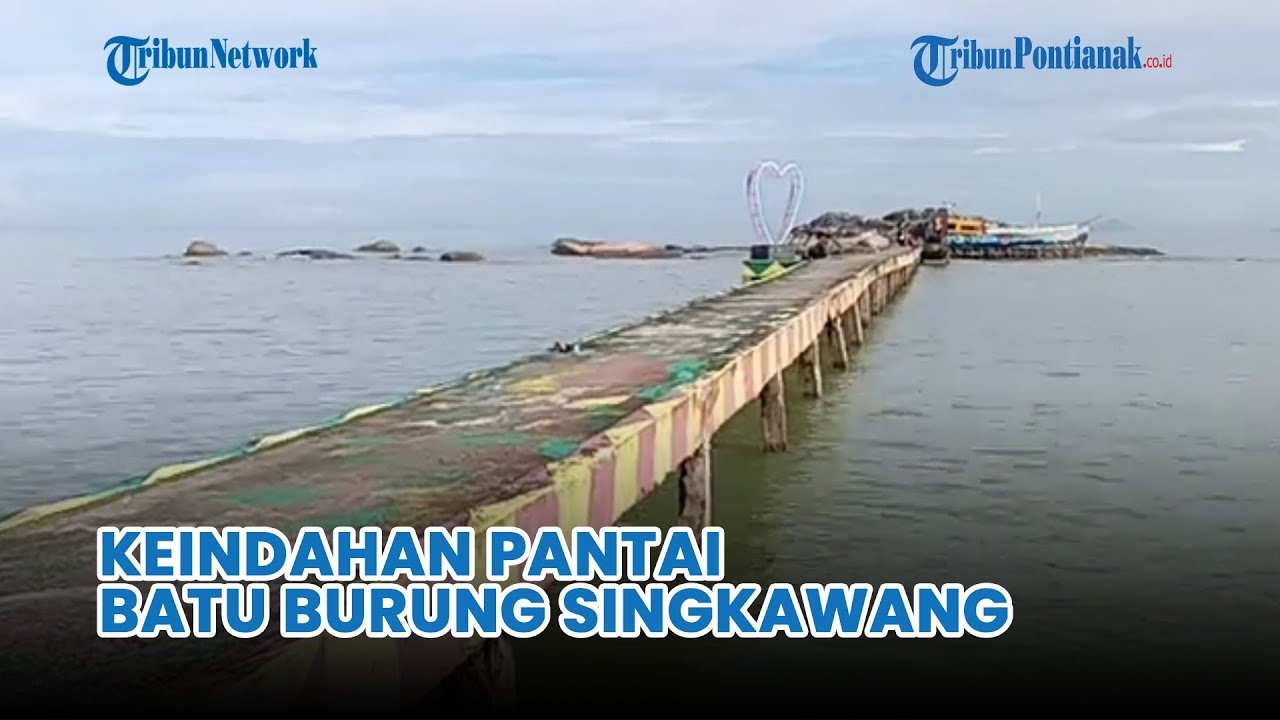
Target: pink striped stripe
point(543, 512)
point(680, 431)
point(645, 480)
point(602, 476)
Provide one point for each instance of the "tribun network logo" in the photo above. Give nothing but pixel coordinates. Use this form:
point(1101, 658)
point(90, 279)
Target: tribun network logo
point(130, 60)
point(938, 60)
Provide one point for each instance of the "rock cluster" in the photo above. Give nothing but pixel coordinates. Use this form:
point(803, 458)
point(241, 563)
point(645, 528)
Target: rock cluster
point(1120, 251)
point(836, 233)
point(315, 254)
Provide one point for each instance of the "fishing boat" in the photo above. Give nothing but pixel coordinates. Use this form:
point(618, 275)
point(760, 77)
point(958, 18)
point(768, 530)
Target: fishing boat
point(1010, 241)
point(978, 238)
point(767, 262)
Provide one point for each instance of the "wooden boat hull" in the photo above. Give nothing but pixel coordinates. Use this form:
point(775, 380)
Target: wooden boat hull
point(1065, 241)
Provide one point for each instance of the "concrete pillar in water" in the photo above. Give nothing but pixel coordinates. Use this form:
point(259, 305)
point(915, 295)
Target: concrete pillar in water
point(811, 370)
point(837, 341)
point(695, 489)
point(773, 414)
point(859, 323)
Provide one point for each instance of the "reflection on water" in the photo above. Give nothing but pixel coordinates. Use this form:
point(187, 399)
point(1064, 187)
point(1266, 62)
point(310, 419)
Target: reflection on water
point(1070, 431)
point(111, 367)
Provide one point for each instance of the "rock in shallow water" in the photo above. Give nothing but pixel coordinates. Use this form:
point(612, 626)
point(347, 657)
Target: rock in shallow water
point(203, 248)
point(315, 254)
point(597, 249)
point(461, 256)
point(379, 246)
point(1120, 251)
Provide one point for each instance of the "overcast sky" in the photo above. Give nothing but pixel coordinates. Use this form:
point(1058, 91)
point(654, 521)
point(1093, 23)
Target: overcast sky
point(620, 118)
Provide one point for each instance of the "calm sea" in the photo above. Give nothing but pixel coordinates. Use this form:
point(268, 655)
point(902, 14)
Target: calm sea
point(1102, 437)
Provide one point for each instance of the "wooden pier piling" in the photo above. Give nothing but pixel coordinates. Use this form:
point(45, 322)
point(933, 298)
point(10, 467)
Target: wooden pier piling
point(773, 414)
point(811, 370)
point(838, 342)
point(695, 489)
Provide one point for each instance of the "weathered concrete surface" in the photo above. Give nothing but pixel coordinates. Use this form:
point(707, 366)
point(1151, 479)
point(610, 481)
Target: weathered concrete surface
point(566, 439)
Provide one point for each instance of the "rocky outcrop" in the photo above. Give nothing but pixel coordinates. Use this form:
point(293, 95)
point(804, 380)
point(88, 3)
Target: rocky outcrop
point(707, 249)
point(572, 247)
point(1120, 251)
point(379, 246)
point(315, 254)
point(203, 248)
point(835, 233)
point(461, 256)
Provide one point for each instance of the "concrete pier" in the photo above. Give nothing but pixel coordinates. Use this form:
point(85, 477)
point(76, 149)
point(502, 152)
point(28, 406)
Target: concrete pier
point(556, 439)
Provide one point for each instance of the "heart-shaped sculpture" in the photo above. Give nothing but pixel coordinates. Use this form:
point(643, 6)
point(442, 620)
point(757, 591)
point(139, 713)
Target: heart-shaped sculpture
point(790, 171)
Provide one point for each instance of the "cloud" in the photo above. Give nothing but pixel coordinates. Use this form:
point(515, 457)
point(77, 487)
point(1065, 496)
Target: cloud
point(1197, 105)
point(519, 97)
point(1065, 147)
point(1231, 146)
point(939, 133)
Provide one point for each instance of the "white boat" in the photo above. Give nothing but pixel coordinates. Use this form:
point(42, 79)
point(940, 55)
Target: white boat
point(1046, 234)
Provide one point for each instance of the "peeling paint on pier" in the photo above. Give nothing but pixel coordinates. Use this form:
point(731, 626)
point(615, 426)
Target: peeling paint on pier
point(558, 439)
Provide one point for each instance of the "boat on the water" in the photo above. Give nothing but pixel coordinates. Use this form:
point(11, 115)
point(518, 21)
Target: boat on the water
point(975, 237)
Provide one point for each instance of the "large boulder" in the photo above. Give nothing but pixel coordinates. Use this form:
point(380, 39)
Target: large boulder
point(461, 256)
point(203, 248)
point(379, 246)
point(315, 254)
point(612, 250)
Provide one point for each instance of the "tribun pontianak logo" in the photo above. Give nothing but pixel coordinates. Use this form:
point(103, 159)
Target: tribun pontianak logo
point(130, 60)
point(939, 59)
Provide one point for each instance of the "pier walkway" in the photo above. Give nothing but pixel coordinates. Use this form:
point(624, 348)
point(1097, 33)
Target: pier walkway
point(557, 439)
